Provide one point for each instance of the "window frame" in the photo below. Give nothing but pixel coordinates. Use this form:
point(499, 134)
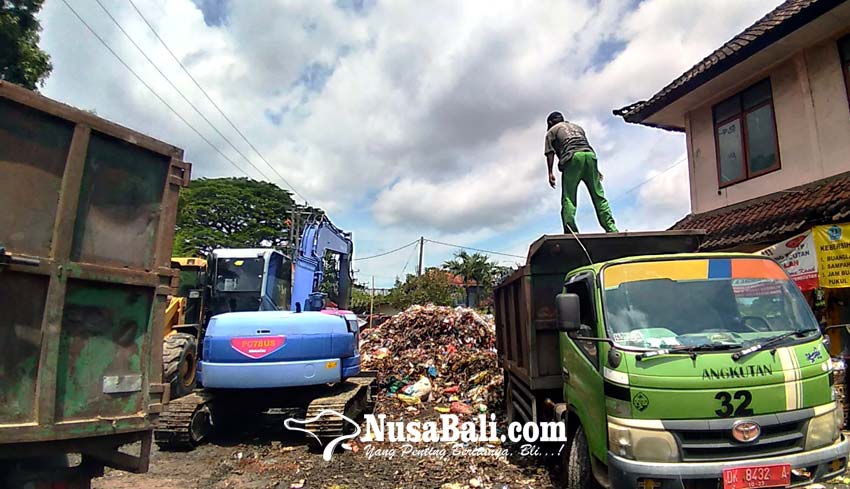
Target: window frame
point(586, 281)
point(741, 117)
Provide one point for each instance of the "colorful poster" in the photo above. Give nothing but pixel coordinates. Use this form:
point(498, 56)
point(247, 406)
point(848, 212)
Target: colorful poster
point(833, 250)
point(797, 256)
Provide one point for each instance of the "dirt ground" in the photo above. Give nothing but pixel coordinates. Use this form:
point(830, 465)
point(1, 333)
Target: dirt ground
point(284, 461)
point(287, 462)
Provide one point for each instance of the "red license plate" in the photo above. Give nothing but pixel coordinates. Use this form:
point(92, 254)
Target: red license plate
point(761, 476)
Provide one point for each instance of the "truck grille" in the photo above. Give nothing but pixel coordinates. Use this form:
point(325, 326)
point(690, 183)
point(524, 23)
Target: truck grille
point(781, 434)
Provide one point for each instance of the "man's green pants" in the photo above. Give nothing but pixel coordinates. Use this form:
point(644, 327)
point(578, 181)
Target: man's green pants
point(582, 168)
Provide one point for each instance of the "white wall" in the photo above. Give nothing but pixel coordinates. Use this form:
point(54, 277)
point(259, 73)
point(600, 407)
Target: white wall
point(813, 124)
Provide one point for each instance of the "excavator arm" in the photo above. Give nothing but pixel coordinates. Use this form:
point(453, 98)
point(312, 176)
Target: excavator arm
point(319, 237)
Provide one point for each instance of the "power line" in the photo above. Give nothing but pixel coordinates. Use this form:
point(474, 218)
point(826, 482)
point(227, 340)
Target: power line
point(409, 257)
point(474, 249)
point(214, 104)
point(641, 184)
point(388, 252)
point(159, 97)
point(179, 92)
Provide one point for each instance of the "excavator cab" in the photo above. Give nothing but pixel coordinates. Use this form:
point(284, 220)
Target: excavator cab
point(244, 280)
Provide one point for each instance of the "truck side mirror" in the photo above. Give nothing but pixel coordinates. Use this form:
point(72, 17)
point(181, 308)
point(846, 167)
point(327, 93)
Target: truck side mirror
point(569, 313)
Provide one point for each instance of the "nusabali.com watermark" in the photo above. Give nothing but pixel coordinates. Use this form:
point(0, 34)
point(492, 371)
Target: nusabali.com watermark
point(449, 436)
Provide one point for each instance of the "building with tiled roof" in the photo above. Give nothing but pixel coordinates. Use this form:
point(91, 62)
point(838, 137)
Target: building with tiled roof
point(767, 124)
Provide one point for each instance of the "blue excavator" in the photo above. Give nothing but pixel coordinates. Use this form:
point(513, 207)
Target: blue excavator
point(270, 345)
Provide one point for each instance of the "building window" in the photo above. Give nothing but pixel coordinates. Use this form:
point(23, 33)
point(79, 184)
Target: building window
point(844, 49)
point(745, 134)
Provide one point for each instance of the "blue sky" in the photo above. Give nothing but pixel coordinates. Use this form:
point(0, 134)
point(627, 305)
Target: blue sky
point(406, 119)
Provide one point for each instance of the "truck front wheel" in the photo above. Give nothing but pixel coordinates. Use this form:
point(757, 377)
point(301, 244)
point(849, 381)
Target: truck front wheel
point(578, 472)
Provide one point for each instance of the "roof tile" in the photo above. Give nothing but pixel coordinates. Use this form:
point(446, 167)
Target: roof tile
point(775, 216)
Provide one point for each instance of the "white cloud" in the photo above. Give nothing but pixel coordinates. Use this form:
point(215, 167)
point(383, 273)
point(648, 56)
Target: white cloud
point(409, 118)
point(662, 200)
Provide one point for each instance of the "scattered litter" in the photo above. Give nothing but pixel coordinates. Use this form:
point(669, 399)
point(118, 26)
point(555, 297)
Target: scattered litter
point(297, 484)
point(460, 408)
point(408, 400)
point(441, 354)
point(421, 389)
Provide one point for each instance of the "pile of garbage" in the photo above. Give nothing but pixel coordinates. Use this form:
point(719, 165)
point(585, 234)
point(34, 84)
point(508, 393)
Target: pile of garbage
point(439, 355)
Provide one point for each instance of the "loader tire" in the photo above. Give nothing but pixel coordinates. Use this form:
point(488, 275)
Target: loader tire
point(578, 471)
point(180, 363)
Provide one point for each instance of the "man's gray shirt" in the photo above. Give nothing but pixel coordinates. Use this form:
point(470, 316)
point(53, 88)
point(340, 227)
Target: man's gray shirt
point(565, 139)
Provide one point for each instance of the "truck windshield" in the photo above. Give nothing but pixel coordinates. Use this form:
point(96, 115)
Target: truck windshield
point(717, 301)
point(239, 274)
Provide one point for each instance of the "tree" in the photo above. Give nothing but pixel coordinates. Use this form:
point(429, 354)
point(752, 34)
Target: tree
point(475, 267)
point(434, 286)
point(21, 60)
point(233, 213)
point(330, 277)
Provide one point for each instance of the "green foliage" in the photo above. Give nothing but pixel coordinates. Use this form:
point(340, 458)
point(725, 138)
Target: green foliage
point(232, 213)
point(436, 286)
point(330, 281)
point(432, 287)
point(476, 267)
point(21, 60)
point(361, 297)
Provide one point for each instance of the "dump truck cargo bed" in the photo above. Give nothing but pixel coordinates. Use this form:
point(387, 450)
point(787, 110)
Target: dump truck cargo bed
point(87, 226)
point(526, 334)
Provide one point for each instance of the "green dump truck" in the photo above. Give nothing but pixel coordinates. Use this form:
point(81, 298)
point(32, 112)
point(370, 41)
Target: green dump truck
point(670, 369)
point(87, 213)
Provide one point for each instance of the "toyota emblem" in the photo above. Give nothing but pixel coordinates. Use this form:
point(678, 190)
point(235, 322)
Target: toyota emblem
point(746, 431)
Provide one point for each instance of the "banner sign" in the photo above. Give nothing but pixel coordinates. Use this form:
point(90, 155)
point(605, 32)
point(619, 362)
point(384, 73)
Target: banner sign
point(797, 256)
point(833, 252)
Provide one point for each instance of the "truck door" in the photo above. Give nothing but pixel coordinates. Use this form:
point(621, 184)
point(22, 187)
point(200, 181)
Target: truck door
point(583, 386)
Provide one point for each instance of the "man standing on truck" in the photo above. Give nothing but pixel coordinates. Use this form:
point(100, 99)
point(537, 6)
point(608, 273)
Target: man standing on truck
point(577, 162)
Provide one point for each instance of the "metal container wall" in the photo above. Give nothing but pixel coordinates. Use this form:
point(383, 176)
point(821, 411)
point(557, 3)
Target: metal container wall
point(94, 204)
point(526, 333)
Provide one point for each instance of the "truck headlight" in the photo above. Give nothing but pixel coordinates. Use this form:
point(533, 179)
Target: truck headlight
point(824, 429)
point(641, 444)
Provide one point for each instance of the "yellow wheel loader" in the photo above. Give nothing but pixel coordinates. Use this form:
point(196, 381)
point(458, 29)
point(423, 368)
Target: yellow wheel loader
point(184, 318)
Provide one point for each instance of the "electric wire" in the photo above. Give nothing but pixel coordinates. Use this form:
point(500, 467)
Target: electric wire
point(653, 177)
point(396, 250)
point(154, 92)
point(179, 92)
point(210, 99)
point(242, 135)
point(409, 257)
point(474, 249)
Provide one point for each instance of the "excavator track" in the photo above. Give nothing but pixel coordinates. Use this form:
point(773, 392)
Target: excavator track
point(184, 422)
point(352, 398)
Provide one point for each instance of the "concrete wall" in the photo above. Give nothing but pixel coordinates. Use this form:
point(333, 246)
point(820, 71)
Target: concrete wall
point(812, 120)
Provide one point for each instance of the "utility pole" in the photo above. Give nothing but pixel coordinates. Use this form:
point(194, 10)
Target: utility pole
point(372, 303)
point(290, 243)
point(421, 254)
